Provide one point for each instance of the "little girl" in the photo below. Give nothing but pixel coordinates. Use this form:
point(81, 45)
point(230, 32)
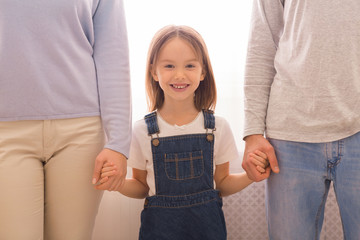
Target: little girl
point(181, 148)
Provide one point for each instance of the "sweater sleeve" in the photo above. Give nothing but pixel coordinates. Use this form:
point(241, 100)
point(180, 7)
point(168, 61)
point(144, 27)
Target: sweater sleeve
point(111, 56)
point(265, 30)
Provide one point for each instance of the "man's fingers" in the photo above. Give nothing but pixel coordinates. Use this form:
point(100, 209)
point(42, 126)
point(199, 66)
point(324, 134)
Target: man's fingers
point(261, 154)
point(273, 161)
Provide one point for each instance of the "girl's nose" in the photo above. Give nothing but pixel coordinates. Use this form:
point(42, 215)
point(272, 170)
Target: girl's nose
point(179, 74)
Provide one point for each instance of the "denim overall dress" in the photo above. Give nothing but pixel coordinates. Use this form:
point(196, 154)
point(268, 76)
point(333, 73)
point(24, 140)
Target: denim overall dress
point(186, 206)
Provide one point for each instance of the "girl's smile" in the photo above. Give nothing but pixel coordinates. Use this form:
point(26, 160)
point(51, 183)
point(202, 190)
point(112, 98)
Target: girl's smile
point(179, 86)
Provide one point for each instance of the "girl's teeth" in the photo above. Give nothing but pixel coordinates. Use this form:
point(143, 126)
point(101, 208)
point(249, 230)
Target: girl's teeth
point(175, 86)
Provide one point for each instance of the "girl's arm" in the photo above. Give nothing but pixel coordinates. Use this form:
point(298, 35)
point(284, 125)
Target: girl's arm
point(135, 187)
point(227, 183)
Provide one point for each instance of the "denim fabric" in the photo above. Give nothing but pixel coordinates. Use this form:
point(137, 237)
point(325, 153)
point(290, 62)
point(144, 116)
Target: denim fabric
point(296, 196)
point(151, 123)
point(183, 165)
point(186, 205)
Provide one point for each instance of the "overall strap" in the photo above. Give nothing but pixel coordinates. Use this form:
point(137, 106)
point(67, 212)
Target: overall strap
point(151, 122)
point(209, 119)
point(153, 128)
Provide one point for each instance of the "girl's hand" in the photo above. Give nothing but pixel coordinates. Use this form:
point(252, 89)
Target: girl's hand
point(259, 159)
point(108, 170)
point(117, 178)
point(258, 142)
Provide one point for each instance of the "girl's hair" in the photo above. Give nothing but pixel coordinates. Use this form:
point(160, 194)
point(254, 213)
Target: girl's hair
point(205, 94)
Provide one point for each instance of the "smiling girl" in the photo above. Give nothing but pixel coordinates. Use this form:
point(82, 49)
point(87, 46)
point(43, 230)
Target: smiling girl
point(180, 149)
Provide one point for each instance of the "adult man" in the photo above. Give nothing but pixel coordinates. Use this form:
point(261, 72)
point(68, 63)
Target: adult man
point(302, 88)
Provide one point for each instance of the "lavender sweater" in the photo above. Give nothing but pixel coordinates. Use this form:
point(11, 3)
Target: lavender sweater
point(302, 80)
point(66, 59)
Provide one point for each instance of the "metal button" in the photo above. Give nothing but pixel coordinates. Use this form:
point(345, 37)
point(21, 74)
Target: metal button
point(210, 137)
point(155, 142)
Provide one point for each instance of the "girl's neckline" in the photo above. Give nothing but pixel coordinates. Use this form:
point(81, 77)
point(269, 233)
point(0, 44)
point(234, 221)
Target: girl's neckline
point(179, 126)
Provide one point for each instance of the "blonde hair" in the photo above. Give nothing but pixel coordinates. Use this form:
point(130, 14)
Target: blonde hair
point(205, 94)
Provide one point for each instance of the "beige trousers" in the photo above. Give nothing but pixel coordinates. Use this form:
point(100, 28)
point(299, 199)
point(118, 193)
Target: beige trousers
point(45, 178)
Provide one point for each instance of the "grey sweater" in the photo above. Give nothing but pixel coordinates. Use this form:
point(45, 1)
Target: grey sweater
point(302, 80)
point(66, 59)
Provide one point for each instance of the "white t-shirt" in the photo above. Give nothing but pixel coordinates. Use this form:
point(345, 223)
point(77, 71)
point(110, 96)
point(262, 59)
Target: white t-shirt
point(225, 149)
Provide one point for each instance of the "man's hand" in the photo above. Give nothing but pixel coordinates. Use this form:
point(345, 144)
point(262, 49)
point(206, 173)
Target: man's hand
point(119, 161)
point(258, 142)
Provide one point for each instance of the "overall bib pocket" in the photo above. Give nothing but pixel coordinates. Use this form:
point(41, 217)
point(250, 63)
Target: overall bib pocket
point(185, 165)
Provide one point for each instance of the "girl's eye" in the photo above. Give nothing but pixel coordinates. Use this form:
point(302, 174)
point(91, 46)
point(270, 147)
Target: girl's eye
point(169, 66)
point(190, 66)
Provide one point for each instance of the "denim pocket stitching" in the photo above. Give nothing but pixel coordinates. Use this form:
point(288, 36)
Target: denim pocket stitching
point(190, 166)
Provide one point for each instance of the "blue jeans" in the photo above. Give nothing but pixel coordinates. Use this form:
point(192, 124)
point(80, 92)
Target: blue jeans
point(295, 198)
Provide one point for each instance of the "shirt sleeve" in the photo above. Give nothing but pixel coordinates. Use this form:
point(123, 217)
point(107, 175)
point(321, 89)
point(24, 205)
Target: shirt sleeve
point(137, 158)
point(111, 57)
point(265, 31)
point(225, 149)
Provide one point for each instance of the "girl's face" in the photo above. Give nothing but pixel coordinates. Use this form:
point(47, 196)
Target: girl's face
point(178, 71)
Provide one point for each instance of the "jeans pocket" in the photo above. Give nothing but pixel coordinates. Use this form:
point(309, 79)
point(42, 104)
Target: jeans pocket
point(185, 165)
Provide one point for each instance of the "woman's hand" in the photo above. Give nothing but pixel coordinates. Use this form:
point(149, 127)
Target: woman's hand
point(115, 179)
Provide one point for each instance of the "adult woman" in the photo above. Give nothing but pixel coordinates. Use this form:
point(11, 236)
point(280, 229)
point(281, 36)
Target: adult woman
point(62, 63)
